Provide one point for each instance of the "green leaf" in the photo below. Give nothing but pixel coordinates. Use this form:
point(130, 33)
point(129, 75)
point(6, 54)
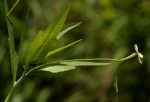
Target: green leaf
point(58, 68)
point(95, 59)
point(13, 54)
point(50, 66)
point(45, 40)
point(61, 48)
point(68, 27)
point(83, 63)
point(71, 63)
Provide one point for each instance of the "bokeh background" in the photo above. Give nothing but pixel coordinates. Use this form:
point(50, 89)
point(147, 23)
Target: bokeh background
point(109, 28)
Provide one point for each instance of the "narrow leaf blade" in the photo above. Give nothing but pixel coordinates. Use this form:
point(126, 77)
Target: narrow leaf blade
point(66, 28)
point(83, 63)
point(61, 48)
point(13, 54)
point(66, 63)
point(58, 68)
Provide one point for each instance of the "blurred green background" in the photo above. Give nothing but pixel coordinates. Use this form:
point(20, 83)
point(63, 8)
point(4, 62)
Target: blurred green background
point(109, 28)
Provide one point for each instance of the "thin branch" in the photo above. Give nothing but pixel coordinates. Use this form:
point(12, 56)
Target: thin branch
point(13, 7)
point(22, 34)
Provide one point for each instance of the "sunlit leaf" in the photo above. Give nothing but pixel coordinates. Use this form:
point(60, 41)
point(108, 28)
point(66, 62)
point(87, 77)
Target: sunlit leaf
point(61, 48)
point(66, 28)
point(45, 40)
point(58, 68)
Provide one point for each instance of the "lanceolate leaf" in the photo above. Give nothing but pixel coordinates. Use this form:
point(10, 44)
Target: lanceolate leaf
point(45, 40)
point(58, 68)
point(13, 54)
point(48, 65)
point(65, 65)
point(66, 28)
point(83, 63)
point(61, 48)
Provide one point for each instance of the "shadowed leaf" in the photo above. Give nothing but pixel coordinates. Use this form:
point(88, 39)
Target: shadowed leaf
point(13, 54)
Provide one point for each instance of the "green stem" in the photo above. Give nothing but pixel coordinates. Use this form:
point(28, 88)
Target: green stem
point(106, 59)
point(14, 86)
point(10, 93)
point(128, 57)
point(116, 79)
point(13, 7)
point(94, 59)
point(22, 34)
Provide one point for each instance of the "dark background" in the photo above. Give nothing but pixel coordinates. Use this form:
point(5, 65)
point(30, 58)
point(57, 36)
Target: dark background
point(109, 28)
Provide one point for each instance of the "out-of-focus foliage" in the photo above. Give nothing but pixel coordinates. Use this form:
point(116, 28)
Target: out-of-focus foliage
point(110, 28)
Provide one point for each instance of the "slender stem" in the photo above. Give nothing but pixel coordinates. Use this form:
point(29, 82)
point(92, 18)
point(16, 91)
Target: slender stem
point(116, 82)
point(22, 34)
point(93, 59)
point(10, 93)
point(128, 57)
point(13, 7)
point(14, 86)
